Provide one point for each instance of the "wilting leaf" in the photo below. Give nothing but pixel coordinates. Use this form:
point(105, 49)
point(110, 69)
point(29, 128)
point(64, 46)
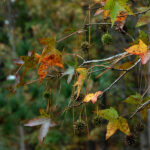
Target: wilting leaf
point(49, 61)
point(109, 114)
point(69, 72)
point(45, 123)
point(30, 61)
point(50, 57)
point(83, 74)
point(134, 99)
point(92, 97)
point(125, 65)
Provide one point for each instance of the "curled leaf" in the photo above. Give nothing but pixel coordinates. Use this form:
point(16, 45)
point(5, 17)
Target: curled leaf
point(83, 74)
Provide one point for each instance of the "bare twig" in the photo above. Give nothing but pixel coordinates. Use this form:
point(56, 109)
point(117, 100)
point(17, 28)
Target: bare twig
point(109, 87)
point(102, 60)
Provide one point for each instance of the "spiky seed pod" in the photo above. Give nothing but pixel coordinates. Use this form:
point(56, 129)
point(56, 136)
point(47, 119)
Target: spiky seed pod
point(106, 39)
point(85, 46)
point(130, 139)
point(139, 127)
point(79, 126)
point(46, 95)
point(97, 121)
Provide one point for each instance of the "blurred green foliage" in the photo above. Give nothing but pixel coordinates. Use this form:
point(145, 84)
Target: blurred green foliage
point(22, 22)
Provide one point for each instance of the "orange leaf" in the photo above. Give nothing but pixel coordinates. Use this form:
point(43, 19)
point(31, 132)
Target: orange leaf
point(48, 61)
point(92, 97)
point(42, 71)
point(121, 17)
point(106, 13)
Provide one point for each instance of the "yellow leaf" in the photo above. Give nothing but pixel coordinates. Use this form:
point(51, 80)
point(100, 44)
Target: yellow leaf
point(138, 49)
point(111, 128)
point(118, 123)
point(123, 125)
point(81, 79)
point(92, 97)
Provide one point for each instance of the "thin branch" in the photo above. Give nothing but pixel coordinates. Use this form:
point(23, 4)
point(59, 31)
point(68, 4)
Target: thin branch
point(102, 60)
point(142, 12)
point(74, 33)
point(140, 108)
point(109, 87)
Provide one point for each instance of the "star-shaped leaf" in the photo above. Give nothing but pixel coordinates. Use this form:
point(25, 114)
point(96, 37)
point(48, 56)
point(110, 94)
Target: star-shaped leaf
point(45, 123)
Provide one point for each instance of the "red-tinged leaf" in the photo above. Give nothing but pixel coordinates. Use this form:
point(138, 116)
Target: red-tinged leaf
point(92, 97)
point(145, 58)
point(98, 12)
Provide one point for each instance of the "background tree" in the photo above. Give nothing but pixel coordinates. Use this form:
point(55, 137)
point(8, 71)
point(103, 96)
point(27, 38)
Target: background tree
point(72, 53)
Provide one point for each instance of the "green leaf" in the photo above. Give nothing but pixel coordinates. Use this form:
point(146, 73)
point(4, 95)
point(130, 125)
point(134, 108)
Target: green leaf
point(115, 6)
point(134, 99)
point(108, 114)
point(114, 12)
point(123, 4)
point(143, 36)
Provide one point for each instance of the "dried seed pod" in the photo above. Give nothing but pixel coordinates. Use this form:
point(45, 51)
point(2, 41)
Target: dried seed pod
point(139, 127)
point(130, 139)
point(80, 126)
point(97, 121)
point(85, 46)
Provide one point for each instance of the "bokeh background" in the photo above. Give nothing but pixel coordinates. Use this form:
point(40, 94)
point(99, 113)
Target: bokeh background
point(22, 23)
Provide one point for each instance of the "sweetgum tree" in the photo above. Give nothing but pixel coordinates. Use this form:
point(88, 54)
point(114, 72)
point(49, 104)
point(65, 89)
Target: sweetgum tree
point(83, 89)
